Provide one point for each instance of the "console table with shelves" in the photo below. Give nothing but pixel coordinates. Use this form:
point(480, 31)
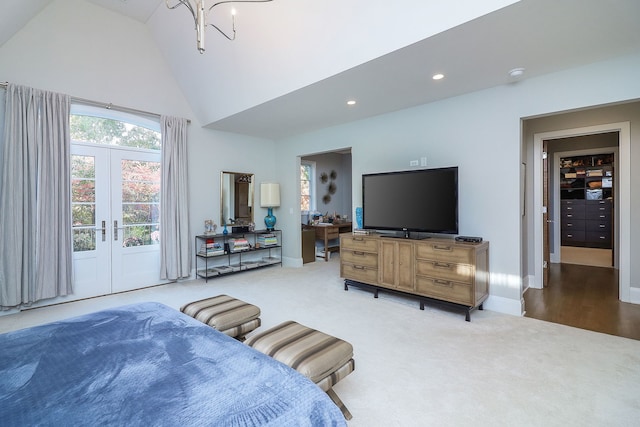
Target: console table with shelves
point(221, 254)
point(431, 270)
point(586, 200)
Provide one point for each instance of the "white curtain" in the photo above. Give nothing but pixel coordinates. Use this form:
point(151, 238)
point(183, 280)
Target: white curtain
point(175, 241)
point(35, 198)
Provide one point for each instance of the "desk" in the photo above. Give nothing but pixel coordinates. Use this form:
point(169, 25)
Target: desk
point(326, 232)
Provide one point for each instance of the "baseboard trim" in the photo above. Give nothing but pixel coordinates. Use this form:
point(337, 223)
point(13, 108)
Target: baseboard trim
point(634, 295)
point(505, 305)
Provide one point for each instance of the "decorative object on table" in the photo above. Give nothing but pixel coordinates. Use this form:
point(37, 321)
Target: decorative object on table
point(209, 226)
point(359, 217)
point(270, 198)
point(225, 231)
point(200, 12)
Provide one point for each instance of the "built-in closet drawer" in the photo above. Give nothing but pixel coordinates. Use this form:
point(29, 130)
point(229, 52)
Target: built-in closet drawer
point(573, 225)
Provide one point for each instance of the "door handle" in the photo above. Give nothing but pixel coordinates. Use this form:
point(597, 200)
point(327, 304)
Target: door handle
point(115, 229)
point(104, 230)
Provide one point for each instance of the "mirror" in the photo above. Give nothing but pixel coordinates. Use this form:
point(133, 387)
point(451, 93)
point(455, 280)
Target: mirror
point(236, 198)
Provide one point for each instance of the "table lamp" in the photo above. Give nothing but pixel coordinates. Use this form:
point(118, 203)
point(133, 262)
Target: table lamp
point(269, 198)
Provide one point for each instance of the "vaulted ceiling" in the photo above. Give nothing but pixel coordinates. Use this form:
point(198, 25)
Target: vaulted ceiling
point(474, 52)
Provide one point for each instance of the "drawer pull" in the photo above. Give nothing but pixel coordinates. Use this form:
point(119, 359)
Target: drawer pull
point(358, 253)
point(358, 239)
point(602, 237)
point(603, 216)
point(442, 248)
point(358, 267)
point(442, 265)
point(602, 226)
point(569, 216)
point(443, 283)
point(569, 235)
point(569, 208)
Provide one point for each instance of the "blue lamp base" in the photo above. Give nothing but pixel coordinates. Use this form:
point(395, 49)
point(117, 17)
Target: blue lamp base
point(270, 220)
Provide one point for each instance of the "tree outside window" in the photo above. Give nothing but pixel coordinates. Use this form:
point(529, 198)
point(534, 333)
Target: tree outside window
point(307, 196)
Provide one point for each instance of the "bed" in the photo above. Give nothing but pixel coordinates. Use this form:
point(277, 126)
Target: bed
point(148, 364)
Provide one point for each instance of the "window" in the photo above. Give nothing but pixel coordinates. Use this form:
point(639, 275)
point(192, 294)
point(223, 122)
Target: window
point(307, 187)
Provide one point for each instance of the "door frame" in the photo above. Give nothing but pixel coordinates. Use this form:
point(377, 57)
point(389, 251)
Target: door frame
point(624, 204)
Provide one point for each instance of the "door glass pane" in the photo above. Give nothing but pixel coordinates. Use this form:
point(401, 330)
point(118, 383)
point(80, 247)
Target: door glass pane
point(140, 202)
point(83, 202)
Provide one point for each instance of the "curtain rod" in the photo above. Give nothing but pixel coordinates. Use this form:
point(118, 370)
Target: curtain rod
point(108, 106)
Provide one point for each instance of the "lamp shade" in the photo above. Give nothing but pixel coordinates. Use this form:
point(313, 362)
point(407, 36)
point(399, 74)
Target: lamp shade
point(269, 194)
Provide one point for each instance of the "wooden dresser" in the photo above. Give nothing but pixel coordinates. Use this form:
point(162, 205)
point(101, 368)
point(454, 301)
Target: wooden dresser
point(432, 270)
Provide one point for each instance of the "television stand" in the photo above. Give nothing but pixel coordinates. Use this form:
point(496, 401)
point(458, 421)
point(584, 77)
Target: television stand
point(435, 270)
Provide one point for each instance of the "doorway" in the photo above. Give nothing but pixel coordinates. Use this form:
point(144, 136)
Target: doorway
point(584, 199)
point(115, 205)
point(622, 219)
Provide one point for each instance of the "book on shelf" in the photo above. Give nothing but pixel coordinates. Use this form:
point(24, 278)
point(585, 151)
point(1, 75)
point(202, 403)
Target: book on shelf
point(211, 248)
point(267, 239)
point(239, 244)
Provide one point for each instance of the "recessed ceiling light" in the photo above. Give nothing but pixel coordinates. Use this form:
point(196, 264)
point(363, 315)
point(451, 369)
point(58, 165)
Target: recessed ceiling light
point(438, 76)
point(351, 102)
point(516, 72)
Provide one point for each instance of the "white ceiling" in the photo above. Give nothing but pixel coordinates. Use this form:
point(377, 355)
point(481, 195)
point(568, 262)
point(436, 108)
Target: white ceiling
point(542, 36)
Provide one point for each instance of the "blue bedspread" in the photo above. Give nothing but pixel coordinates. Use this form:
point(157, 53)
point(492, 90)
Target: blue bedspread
point(148, 364)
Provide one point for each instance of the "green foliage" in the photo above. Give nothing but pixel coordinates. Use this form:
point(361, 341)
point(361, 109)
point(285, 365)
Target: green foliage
point(113, 132)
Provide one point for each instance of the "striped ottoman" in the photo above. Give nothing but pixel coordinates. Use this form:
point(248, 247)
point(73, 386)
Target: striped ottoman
point(228, 315)
point(322, 358)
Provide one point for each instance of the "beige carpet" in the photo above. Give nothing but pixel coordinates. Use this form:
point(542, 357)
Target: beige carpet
point(423, 368)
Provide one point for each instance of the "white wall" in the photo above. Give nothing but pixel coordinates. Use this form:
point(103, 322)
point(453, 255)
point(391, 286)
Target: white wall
point(481, 133)
point(88, 52)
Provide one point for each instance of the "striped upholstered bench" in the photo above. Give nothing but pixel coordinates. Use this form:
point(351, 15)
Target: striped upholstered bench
point(322, 358)
point(228, 315)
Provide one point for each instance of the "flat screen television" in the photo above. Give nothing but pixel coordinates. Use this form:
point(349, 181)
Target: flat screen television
point(424, 200)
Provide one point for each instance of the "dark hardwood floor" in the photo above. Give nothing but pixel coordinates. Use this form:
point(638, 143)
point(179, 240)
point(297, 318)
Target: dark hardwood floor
point(584, 297)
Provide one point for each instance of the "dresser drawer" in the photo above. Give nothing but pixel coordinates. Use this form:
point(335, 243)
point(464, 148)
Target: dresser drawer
point(358, 243)
point(445, 270)
point(573, 202)
point(573, 225)
point(601, 212)
point(359, 273)
point(572, 215)
point(599, 239)
point(569, 237)
point(447, 252)
point(359, 258)
point(598, 226)
point(447, 290)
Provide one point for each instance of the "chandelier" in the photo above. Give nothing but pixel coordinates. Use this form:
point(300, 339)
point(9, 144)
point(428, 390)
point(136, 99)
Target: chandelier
point(199, 11)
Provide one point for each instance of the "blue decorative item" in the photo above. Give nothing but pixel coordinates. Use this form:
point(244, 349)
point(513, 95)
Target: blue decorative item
point(225, 231)
point(270, 219)
point(359, 217)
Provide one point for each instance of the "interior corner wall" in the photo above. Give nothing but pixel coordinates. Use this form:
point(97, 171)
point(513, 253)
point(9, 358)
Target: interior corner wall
point(482, 134)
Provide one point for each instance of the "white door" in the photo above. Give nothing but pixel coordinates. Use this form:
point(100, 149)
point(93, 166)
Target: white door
point(115, 203)
point(135, 217)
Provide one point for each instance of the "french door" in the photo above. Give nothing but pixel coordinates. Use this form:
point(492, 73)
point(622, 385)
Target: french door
point(115, 205)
